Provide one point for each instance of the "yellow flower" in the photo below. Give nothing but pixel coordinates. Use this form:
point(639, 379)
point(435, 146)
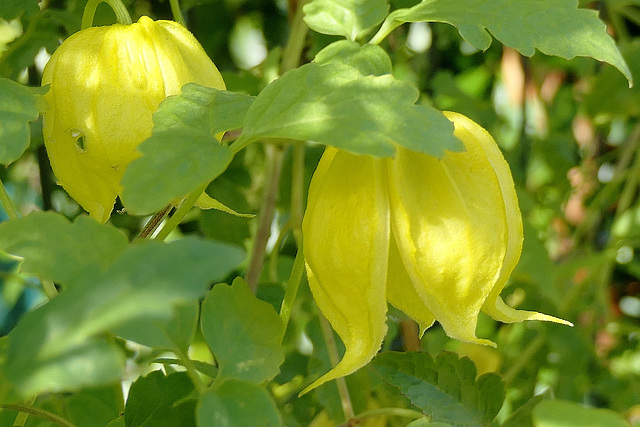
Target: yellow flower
point(106, 83)
point(437, 238)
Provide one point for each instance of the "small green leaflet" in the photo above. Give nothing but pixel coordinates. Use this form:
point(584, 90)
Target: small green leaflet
point(183, 145)
point(243, 333)
point(335, 104)
point(56, 249)
point(61, 345)
point(554, 27)
point(237, 404)
point(446, 389)
point(369, 59)
point(19, 105)
point(348, 18)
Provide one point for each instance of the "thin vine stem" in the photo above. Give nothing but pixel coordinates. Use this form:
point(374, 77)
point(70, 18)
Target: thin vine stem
point(382, 412)
point(297, 272)
point(8, 205)
point(177, 12)
point(332, 348)
point(49, 289)
point(275, 158)
point(153, 224)
point(179, 214)
point(122, 14)
point(40, 413)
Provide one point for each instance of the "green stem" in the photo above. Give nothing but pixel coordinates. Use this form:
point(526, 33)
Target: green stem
point(154, 223)
point(49, 289)
point(177, 12)
point(292, 289)
point(388, 25)
point(40, 413)
point(122, 15)
point(9, 208)
point(297, 190)
point(179, 214)
point(297, 36)
point(524, 358)
point(381, 412)
point(191, 371)
point(275, 255)
point(332, 348)
point(275, 159)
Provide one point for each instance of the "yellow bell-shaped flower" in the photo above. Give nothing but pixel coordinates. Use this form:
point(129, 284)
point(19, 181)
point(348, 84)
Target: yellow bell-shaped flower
point(437, 238)
point(106, 83)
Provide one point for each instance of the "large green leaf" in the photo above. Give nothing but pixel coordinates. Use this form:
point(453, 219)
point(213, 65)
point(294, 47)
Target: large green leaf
point(237, 404)
point(554, 413)
point(348, 18)
point(243, 332)
point(446, 389)
point(19, 105)
point(335, 104)
point(183, 152)
point(55, 249)
point(156, 400)
point(554, 27)
point(61, 345)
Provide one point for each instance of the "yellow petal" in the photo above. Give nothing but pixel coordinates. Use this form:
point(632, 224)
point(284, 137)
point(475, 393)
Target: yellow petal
point(106, 83)
point(449, 222)
point(402, 294)
point(346, 245)
point(494, 306)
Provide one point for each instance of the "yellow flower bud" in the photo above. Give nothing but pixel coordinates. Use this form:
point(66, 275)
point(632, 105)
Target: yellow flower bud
point(106, 83)
point(437, 238)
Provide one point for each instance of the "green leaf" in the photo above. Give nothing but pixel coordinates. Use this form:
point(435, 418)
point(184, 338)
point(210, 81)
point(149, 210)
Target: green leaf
point(369, 59)
point(237, 404)
point(183, 153)
point(174, 333)
point(610, 96)
point(446, 389)
point(156, 400)
point(242, 332)
point(11, 9)
point(55, 249)
point(348, 18)
point(92, 407)
point(336, 105)
point(554, 413)
point(19, 105)
point(554, 27)
point(60, 345)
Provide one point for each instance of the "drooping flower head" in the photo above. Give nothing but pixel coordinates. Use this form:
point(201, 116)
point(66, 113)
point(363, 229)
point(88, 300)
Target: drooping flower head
point(106, 83)
point(437, 238)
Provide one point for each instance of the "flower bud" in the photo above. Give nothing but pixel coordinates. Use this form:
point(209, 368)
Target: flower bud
point(106, 83)
point(437, 238)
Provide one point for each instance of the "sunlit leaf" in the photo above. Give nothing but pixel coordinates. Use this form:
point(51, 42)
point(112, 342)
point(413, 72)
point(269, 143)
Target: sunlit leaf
point(183, 153)
point(336, 105)
point(243, 333)
point(237, 404)
point(554, 27)
point(348, 18)
point(19, 105)
point(445, 389)
point(55, 249)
